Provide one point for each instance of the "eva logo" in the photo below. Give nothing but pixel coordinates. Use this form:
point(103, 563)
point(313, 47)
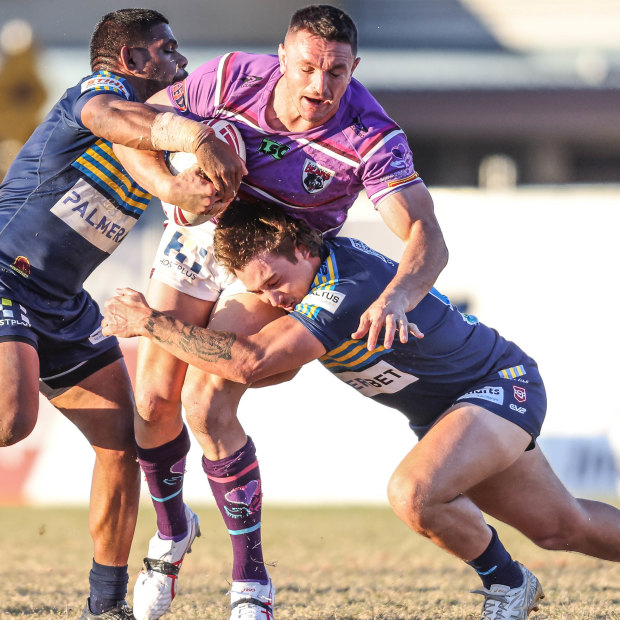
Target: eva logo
point(315, 178)
point(328, 299)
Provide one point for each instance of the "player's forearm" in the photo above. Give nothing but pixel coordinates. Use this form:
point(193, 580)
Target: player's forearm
point(222, 353)
point(424, 257)
point(142, 126)
point(149, 169)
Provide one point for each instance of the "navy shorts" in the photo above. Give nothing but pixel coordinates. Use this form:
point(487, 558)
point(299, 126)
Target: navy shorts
point(516, 394)
point(65, 333)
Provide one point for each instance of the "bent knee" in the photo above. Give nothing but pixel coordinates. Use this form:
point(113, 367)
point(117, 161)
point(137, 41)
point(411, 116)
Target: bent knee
point(412, 501)
point(16, 426)
point(153, 406)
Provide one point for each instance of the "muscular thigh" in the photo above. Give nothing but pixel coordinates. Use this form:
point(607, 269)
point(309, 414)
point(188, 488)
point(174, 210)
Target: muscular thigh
point(466, 446)
point(102, 407)
point(527, 495)
point(19, 369)
point(160, 374)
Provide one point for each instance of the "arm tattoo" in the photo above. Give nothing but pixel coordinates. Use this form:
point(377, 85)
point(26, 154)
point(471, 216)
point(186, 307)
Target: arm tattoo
point(206, 344)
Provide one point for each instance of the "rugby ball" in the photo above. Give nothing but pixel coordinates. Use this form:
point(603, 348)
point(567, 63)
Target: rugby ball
point(178, 162)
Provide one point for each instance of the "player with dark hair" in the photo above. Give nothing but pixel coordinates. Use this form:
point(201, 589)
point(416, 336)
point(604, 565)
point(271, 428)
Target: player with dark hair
point(315, 138)
point(475, 400)
point(65, 205)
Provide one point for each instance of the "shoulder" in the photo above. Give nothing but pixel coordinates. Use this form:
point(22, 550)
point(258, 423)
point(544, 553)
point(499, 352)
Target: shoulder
point(364, 122)
point(106, 82)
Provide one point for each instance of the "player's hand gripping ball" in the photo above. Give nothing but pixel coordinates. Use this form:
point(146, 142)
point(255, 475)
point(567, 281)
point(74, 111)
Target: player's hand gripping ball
point(178, 162)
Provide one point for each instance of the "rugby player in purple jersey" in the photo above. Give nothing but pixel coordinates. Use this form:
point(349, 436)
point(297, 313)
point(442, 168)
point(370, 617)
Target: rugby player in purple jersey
point(475, 400)
point(65, 205)
point(315, 138)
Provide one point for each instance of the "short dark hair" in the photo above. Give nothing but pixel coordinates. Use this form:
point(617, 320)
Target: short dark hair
point(248, 229)
point(123, 27)
point(327, 22)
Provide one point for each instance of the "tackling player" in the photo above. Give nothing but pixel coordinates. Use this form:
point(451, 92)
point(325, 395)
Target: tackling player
point(65, 205)
point(475, 400)
point(315, 138)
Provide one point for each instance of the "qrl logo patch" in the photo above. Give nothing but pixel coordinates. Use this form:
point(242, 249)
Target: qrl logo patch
point(519, 393)
point(315, 178)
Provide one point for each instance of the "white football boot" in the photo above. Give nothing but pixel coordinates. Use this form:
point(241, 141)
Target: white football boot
point(250, 600)
point(157, 582)
point(505, 603)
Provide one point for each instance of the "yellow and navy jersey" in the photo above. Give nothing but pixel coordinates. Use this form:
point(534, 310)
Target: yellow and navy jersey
point(419, 378)
point(66, 201)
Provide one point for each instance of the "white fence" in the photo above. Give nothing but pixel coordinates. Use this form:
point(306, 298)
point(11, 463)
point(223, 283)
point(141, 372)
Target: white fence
point(539, 265)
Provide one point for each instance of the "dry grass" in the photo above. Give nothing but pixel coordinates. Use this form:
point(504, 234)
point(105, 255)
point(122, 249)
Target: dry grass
point(328, 564)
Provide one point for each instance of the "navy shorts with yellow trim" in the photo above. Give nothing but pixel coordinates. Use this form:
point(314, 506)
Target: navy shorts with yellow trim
point(516, 394)
point(65, 333)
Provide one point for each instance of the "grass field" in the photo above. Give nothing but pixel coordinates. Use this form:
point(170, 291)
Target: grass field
point(340, 563)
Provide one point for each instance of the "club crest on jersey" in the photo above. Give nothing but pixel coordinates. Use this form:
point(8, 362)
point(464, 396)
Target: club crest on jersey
point(21, 265)
point(178, 95)
point(315, 178)
point(519, 393)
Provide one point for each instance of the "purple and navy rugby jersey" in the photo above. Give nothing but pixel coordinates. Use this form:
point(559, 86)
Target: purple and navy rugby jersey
point(315, 175)
point(66, 201)
point(420, 378)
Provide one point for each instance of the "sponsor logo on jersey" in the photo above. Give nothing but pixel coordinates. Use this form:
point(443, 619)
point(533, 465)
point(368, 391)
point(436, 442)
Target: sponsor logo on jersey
point(517, 409)
point(401, 157)
point(21, 265)
point(93, 216)
point(12, 315)
point(325, 298)
point(178, 95)
point(97, 336)
point(251, 80)
point(491, 393)
point(105, 83)
point(408, 179)
point(182, 254)
point(273, 148)
point(380, 378)
point(519, 393)
point(315, 178)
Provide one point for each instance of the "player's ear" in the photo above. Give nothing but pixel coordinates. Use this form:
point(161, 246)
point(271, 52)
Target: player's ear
point(130, 59)
point(355, 63)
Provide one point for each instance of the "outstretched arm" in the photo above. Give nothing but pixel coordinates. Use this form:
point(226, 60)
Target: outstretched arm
point(281, 346)
point(410, 214)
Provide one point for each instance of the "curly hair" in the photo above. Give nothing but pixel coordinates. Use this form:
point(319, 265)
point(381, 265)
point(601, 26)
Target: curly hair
point(123, 27)
point(249, 229)
point(327, 22)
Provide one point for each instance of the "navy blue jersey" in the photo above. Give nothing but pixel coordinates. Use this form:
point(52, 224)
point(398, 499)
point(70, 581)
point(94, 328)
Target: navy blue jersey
point(421, 378)
point(66, 201)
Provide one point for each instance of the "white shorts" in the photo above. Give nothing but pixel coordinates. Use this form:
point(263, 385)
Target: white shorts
point(184, 261)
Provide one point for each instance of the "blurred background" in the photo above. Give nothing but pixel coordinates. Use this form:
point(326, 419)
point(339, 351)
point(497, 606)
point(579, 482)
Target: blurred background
point(511, 109)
